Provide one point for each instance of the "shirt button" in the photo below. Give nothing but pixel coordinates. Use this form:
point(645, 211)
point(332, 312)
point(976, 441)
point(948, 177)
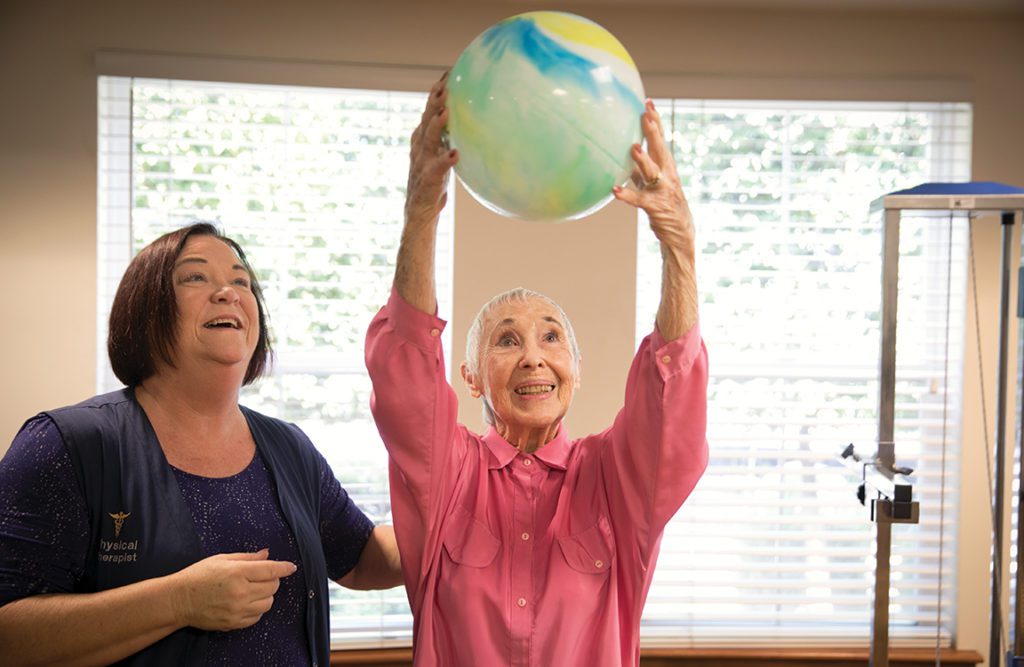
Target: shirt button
point(525, 536)
point(312, 594)
point(521, 602)
point(666, 359)
point(527, 462)
point(599, 564)
point(435, 332)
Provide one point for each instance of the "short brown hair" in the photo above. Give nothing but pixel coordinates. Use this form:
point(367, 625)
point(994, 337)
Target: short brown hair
point(144, 315)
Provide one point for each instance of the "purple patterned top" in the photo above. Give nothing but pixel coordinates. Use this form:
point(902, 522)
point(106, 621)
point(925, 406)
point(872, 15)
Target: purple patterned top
point(44, 530)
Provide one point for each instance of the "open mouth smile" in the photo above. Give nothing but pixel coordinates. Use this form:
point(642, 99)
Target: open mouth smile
point(224, 323)
point(534, 389)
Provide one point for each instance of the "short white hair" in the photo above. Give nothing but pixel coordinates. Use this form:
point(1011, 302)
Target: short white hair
point(522, 295)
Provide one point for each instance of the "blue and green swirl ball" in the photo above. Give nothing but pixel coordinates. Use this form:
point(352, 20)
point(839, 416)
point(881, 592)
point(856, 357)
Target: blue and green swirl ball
point(543, 108)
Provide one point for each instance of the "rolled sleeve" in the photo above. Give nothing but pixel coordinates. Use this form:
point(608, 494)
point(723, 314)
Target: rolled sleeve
point(678, 356)
point(412, 324)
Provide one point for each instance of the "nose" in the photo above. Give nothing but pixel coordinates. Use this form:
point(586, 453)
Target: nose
point(531, 356)
point(225, 294)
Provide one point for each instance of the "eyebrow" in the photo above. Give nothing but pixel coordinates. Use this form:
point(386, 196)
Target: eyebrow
point(546, 318)
point(200, 260)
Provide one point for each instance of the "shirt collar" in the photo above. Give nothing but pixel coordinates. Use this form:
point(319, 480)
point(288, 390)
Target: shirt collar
point(554, 454)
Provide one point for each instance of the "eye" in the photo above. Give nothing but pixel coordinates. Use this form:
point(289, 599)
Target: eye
point(506, 340)
point(551, 337)
point(193, 278)
point(242, 282)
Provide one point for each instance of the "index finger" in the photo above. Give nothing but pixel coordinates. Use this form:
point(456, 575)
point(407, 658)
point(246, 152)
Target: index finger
point(655, 136)
point(269, 570)
point(436, 100)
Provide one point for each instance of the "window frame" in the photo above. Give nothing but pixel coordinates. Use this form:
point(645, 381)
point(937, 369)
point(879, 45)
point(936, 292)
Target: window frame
point(416, 78)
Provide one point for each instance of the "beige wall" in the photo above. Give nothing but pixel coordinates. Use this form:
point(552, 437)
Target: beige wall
point(48, 160)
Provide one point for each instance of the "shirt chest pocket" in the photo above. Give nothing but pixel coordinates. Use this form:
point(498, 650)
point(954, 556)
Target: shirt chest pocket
point(469, 541)
point(591, 551)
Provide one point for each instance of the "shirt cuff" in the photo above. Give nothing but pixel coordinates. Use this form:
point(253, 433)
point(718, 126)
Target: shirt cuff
point(413, 324)
point(676, 356)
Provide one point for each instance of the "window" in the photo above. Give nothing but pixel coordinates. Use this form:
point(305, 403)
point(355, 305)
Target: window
point(773, 546)
point(311, 182)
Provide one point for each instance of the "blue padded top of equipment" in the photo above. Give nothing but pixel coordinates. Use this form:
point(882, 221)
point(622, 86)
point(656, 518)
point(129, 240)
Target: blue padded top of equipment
point(971, 188)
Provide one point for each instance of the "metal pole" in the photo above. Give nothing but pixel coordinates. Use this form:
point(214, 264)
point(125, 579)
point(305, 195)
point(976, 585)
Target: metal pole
point(1018, 626)
point(880, 625)
point(995, 638)
point(886, 416)
point(887, 363)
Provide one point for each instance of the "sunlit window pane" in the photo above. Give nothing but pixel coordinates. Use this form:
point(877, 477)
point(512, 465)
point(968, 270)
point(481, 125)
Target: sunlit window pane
point(310, 181)
point(773, 546)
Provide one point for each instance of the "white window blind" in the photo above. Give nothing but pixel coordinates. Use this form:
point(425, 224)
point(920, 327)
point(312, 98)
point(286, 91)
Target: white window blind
point(773, 546)
point(311, 182)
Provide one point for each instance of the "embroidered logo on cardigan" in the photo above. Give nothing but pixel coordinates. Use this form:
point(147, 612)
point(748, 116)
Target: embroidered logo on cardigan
point(119, 521)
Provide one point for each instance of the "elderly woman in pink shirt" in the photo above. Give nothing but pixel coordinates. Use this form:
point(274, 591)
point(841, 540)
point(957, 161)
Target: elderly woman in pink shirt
point(523, 546)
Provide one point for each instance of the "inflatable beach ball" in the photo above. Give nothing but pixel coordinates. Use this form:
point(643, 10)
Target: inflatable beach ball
point(543, 108)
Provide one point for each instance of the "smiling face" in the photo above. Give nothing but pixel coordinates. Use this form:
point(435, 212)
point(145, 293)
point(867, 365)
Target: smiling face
point(526, 370)
point(218, 317)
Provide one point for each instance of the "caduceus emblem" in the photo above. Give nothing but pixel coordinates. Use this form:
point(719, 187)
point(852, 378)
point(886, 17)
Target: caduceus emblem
point(119, 521)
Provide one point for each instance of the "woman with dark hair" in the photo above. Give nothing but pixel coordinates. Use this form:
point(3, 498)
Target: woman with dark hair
point(165, 524)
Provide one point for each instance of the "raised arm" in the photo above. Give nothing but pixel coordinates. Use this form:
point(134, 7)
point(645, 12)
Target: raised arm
point(657, 449)
point(660, 195)
point(430, 163)
point(412, 403)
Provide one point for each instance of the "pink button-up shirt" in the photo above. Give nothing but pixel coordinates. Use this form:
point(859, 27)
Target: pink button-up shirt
point(540, 559)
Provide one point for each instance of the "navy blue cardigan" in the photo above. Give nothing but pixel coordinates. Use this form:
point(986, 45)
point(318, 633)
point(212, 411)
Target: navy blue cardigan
point(140, 526)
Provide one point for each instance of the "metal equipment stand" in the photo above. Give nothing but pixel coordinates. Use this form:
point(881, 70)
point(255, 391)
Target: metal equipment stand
point(887, 492)
point(968, 197)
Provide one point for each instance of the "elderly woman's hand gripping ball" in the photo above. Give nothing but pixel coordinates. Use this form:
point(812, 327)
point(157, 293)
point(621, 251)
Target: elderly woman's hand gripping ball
point(657, 188)
point(659, 193)
point(430, 160)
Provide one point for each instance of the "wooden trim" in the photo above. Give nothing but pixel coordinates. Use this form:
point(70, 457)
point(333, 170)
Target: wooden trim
point(383, 656)
point(372, 76)
point(419, 77)
point(712, 657)
point(838, 88)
